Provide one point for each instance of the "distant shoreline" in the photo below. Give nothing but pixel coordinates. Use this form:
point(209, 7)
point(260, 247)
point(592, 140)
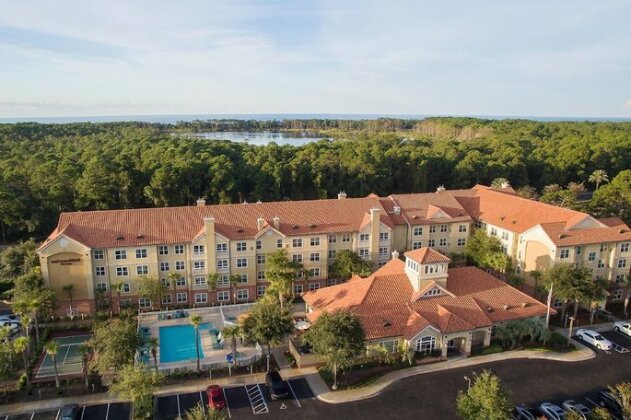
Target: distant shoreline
point(172, 119)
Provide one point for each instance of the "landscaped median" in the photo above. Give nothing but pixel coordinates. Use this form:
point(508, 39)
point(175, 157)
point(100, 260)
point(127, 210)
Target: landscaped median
point(378, 385)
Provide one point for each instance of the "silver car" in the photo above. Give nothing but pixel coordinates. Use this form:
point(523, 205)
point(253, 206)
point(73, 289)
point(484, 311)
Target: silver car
point(552, 411)
point(623, 327)
point(577, 407)
point(594, 338)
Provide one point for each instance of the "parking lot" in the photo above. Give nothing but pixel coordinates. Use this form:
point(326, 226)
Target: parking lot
point(246, 401)
point(621, 342)
point(113, 411)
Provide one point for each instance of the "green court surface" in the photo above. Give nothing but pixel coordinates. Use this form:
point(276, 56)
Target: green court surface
point(68, 357)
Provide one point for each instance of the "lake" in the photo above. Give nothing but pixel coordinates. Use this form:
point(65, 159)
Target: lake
point(260, 138)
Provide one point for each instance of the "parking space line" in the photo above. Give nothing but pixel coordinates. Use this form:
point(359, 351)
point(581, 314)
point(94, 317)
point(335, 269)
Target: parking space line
point(294, 394)
point(107, 413)
point(598, 405)
point(257, 400)
point(33, 415)
point(56, 417)
point(179, 413)
point(82, 412)
point(591, 401)
point(225, 398)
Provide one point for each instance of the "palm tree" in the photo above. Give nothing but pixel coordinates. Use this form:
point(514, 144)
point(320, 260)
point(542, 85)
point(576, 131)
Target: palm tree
point(626, 299)
point(153, 343)
point(118, 288)
point(234, 279)
point(213, 279)
point(195, 320)
point(84, 349)
point(598, 177)
point(232, 332)
point(68, 289)
point(21, 345)
point(173, 278)
point(499, 183)
point(51, 349)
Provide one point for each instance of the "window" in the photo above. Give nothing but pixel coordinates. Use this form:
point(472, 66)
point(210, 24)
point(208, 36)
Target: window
point(242, 262)
point(331, 282)
point(222, 264)
point(297, 258)
point(390, 345)
point(126, 288)
point(431, 243)
point(418, 231)
point(260, 275)
point(100, 271)
point(619, 278)
point(315, 241)
point(314, 256)
point(383, 236)
point(444, 228)
point(121, 271)
point(296, 243)
point(332, 253)
point(622, 263)
point(383, 251)
point(144, 303)
point(163, 250)
point(493, 231)
point(223, 296)
point(142, 270)
point(164, 266)
point(141, 253)
point(601, 264)
point(243, 278)
point(298, 288)
point(279, 243)
point(591, 256)
point(223, 280)
point(617, 295)
point(200, 281)
point(332, 239)
point(363, 252)
point(101, 287)
point(125, 303)
point(166, 300)
point(417, 245)
point(505, 236)
point(99, 255)
point(623, 248)
point(201, 298)
point(578, 250)
point(182, 297)
point(557, 303)
point(425, 345)
point(222, 248)
point(179, 265)
point(198, 249)
point(241, 246)
point(181, 281)
point(346, 237)
point(260, 259)
point(442, 242)
point(432, 229)
point(603, 247)
point(121, 254)
point(462, 242)
point(433, 292)
point(199, 266)
point(462, 228)
point(314, 286)
point(242, 294)
point(260, 290)
point(477, 224)
point(364, 237)
point(564, 253)
point(314, 272)
point(179, 249)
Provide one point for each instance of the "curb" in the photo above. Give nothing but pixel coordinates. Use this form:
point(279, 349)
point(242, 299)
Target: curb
point(376, 388)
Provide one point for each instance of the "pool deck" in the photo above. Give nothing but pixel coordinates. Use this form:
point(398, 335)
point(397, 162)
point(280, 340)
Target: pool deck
point(213, 358)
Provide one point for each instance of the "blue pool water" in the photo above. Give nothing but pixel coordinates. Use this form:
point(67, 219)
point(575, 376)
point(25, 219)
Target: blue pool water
point(177, 342)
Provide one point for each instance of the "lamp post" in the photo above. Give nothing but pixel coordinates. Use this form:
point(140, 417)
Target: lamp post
point(466, 378)
point(569, 334)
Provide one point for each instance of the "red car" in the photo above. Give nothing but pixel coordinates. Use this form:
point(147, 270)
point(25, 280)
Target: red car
point(215, 397)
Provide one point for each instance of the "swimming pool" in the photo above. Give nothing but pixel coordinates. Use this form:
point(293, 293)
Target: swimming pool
point(177, 343)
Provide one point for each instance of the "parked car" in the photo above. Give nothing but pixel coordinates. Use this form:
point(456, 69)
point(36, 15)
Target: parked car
point(623, 327)
point(606, 399)
point(552, 411)
point(595, 339)
point(216, 400)
point(10, 317)
point(577, 407)
point(522, 412)
point(15, 328)
point(69, 412)
point(278, 387)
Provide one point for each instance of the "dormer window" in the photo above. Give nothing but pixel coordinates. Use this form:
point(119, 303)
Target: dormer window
point(433, 292)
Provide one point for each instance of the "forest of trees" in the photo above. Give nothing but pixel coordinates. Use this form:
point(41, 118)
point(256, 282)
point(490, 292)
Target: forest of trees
point(47, 169)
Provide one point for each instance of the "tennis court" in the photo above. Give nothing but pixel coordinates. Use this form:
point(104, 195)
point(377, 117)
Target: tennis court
point(68, 357)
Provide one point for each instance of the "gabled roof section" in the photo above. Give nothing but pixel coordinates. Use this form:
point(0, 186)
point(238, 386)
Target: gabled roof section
point(429, 286)
point(425, 208)
point(426, 255)
point(572, 237)
point(434, 212)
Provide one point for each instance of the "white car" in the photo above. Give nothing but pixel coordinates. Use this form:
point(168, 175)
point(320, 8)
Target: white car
point(577, 407)
point(623, 327)
point(594, 338)
point(10, 317)
point(552, 411)
point(13, 327)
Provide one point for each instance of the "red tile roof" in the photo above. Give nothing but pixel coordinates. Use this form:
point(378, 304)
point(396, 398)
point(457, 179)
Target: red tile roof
point(382, 302)
point(426, 256)
point(572, 237)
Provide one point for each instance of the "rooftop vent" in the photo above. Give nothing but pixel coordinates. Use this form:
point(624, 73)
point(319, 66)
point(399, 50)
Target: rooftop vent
point(294, 227)
point(240, 230)
point(415, 217)
point(259, 202)
point(245, 202)
point(397, 210)
point(440, 188)
point(489, 309)
point(502, 218)
point(386, 323)
point(524, 304)
point(514, 221)
point(312, 226)
point(621, 231)
point(341, 195)
point(506, 307)
point(140, 236)
point(201, 202)
point(120, 238)
point(562, 235)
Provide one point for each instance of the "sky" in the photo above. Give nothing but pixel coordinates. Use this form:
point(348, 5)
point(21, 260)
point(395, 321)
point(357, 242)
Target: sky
point(486, 57)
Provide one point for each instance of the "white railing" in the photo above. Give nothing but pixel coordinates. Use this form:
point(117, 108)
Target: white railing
point(228, 313)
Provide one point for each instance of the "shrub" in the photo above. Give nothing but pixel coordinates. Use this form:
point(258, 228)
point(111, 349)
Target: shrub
point(493, 348)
